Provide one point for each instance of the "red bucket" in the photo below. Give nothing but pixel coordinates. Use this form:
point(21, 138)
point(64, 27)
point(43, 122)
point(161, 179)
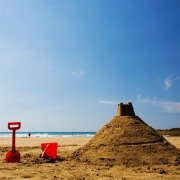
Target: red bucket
point(49, 150)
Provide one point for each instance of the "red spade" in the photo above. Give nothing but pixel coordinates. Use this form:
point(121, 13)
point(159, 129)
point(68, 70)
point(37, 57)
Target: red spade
point(13, 155)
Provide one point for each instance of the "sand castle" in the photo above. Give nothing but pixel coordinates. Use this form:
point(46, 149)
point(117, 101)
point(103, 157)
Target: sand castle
point(128, 140)
point(125, 109)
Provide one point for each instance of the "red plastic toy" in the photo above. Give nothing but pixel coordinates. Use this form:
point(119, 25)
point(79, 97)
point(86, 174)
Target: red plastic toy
point(13, 156)
point(49, 150)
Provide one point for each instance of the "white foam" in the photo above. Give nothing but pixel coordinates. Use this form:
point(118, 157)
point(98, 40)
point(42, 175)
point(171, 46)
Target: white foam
point(48, 135)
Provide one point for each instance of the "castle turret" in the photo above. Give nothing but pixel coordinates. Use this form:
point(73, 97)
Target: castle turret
point(125, 109)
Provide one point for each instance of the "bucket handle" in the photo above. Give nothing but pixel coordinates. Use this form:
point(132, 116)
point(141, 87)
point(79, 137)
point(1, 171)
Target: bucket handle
point(42, 155)
point(14, 125)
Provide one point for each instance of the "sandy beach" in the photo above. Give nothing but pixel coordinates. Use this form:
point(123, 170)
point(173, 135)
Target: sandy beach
point(32, 167)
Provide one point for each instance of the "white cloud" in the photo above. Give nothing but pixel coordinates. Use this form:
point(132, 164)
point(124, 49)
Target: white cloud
point(79, 73)
point(107, 102)
point(169, 81)
point(166, 106)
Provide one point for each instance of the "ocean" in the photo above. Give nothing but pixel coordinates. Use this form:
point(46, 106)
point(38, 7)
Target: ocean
point(49, 134)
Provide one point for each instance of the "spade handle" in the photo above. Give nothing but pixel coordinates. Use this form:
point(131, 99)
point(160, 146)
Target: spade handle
point(14, 126)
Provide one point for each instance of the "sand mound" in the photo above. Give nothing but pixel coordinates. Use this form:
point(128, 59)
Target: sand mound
point(127, 140)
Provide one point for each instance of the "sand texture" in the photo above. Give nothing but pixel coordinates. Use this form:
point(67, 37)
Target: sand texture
point(127, 140)
point(33, 167)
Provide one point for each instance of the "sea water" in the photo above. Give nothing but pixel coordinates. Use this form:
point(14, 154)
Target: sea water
point(49, 134)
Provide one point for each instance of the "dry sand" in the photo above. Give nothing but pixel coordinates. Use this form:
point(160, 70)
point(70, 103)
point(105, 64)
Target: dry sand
point(32, 167)
point(128, 141)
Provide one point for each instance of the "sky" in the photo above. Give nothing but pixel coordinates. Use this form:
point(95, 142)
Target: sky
point(66, 64)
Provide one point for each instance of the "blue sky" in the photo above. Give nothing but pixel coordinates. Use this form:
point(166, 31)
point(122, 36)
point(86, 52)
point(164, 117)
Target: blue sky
point(65, 65)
